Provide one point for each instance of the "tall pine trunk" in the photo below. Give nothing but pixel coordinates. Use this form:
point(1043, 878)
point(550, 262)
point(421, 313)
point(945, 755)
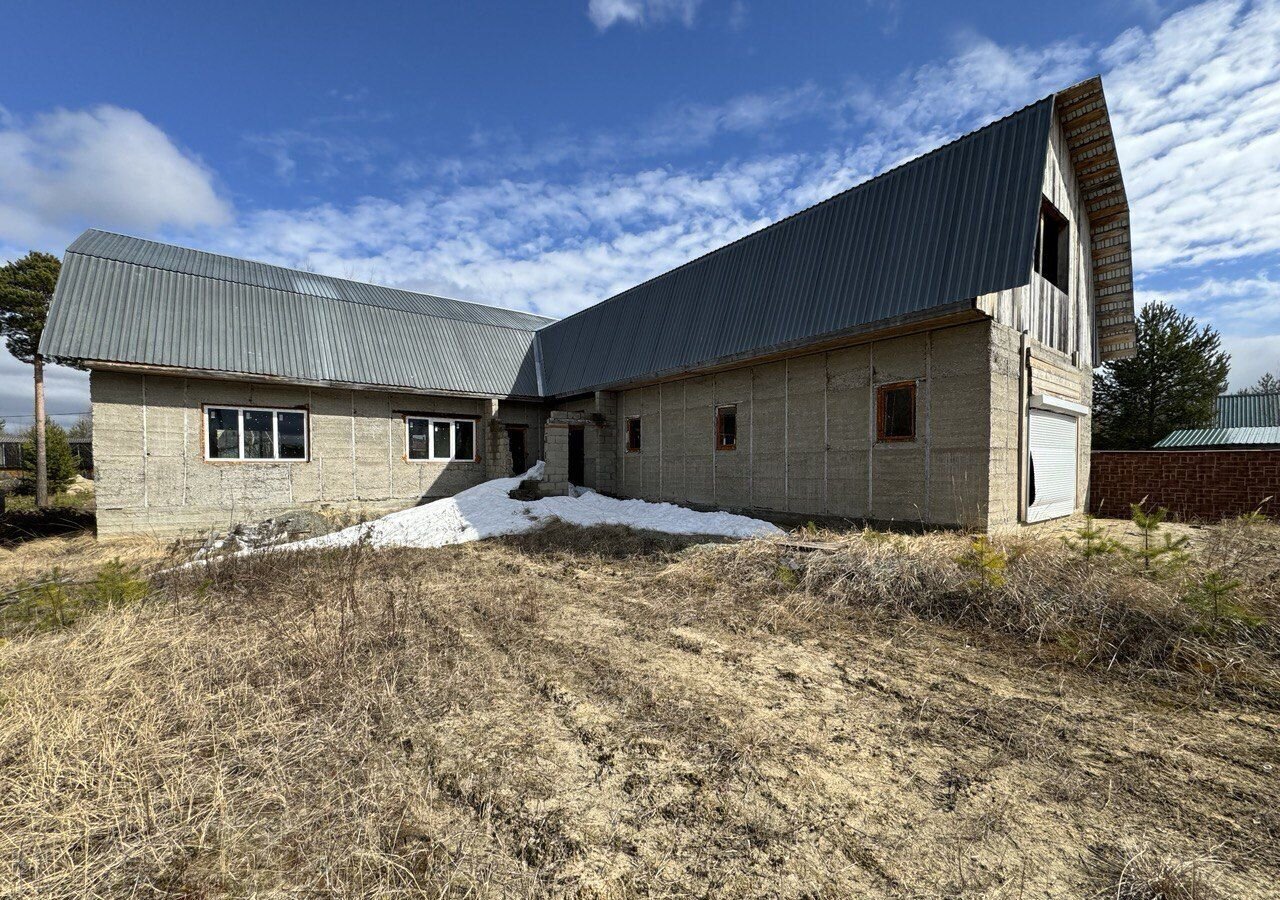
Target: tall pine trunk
point(42, 463)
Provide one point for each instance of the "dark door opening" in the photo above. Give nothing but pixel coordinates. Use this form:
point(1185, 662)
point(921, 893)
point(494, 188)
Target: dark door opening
point(515, 440)
point(577, 455)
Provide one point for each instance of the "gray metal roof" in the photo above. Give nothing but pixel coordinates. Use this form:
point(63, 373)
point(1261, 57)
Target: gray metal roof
point(1248, 410)
point(126, 300)
point(946, 227)
point(1222, 437)
point(919, 240)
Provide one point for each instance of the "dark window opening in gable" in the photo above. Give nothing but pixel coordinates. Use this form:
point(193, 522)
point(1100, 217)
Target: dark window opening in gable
point(1053, 249)
point(896, 412)
point(726, 427)
point(633, 434)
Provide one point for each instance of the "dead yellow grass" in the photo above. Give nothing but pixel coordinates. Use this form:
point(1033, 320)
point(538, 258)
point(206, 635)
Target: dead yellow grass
point(604, 714)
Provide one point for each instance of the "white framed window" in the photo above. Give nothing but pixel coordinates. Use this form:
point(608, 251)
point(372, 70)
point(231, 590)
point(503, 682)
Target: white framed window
point(256, 434)
point(428, 439)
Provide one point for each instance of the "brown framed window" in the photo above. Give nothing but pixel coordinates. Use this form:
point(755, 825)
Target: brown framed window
point(896, 412)
point(726, 427)
point(633, 434)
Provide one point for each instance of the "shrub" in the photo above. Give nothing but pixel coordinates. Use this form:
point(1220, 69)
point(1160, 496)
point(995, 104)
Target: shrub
point(52, 601)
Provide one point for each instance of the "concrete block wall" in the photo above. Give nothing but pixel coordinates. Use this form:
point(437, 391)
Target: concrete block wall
point(151, 474)
point(806, 433)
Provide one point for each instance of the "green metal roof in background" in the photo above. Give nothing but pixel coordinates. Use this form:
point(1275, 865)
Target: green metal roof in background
point(1248, 410)
point(1221, 437)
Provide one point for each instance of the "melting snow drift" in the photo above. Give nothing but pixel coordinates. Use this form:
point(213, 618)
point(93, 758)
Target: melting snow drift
point(487, 510)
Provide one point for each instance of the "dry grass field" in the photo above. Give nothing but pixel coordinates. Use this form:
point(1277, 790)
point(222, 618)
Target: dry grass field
point(600, 713)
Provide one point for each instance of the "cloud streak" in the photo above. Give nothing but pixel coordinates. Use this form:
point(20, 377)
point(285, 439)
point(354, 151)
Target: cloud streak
point(604, 14)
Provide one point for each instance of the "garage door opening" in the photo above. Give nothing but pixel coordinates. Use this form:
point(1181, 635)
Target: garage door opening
point(1051, 475)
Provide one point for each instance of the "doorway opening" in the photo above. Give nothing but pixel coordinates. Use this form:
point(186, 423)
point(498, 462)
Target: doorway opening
point(516, 441)
point(577, 454)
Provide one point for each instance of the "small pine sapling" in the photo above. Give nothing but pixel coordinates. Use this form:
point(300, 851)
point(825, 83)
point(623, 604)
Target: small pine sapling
point(1167, 552)
point(1091, 542)
point(1213, 593)
point(987, 563)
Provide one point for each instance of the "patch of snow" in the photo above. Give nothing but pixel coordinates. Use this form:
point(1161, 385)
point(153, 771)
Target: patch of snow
point(487, 510)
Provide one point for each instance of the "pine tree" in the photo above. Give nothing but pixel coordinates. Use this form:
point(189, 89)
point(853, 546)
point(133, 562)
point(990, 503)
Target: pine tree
point(26, 289)
point(1171, 382)
point(1267, 384)
point(61, 466)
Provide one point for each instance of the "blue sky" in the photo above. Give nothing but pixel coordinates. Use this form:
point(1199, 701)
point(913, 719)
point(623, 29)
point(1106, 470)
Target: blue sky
point(546, 155)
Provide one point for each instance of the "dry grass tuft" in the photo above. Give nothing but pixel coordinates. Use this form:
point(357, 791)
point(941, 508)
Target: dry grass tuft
point(1145, 874)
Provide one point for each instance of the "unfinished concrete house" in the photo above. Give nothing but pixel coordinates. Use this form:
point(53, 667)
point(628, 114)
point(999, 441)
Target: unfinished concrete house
point(918, 348)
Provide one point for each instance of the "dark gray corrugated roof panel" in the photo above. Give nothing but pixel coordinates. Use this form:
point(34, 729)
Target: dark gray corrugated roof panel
point(946, 227)
point(126, 300)
point(1221, 437)
point(1248, 410)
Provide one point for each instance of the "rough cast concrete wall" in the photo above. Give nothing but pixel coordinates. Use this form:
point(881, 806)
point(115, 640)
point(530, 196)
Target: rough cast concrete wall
point(806, 433)
point(152, 476)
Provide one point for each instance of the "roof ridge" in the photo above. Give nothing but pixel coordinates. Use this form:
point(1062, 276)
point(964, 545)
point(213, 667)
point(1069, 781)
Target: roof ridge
point(303, 272)
point(808, 209)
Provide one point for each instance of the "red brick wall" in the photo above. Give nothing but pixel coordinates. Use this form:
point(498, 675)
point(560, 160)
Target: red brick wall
point(1193, 484)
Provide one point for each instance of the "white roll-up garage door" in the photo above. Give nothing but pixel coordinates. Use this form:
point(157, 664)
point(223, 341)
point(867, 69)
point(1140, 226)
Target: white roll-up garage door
point(1052, 478)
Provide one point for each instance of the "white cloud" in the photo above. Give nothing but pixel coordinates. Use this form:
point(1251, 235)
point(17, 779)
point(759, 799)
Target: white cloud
point(607, 13)
point(106, 166)
point(1196, 103)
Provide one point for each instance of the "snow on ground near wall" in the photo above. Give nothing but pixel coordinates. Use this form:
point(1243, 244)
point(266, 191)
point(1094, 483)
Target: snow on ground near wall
point(487, 510)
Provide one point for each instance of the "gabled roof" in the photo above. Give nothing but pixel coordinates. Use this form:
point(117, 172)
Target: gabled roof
point(943, 228)
point(125, 300)
point(917, 242)
point(1248, 410)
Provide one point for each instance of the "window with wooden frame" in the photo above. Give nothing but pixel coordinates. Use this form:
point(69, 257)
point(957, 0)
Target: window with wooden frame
point(726, 427)
point(430, 439)
point(633, 434)
point(896, 412)
point(255, 434)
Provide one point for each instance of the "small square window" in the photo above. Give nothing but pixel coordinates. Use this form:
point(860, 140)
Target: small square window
point(896, 412)
point(633, 434)
point(726, 427)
